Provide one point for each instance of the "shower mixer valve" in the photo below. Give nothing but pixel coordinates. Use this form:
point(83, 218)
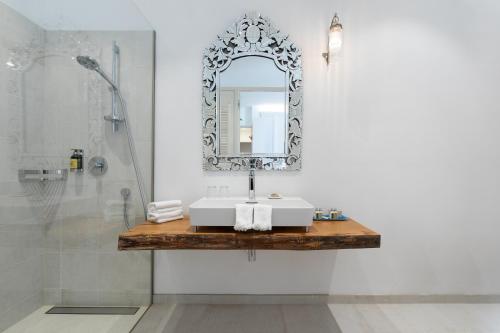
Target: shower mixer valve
point(98, 166)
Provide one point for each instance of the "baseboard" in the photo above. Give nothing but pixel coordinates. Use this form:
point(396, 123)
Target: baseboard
point(238, 299)
point(319, 299)
point(411, 299)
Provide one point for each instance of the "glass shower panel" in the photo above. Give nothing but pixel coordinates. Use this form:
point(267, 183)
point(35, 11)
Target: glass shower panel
point(59, 228)
point(21, 205)
point(93, 210)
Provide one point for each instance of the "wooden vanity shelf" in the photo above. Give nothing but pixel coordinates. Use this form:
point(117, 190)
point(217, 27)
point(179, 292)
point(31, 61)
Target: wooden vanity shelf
point(179, 235)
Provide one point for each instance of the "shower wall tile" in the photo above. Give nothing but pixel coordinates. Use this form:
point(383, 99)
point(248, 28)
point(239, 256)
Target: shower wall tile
point(19, 246)
point(78, 202)
point(52, 237)
point(116, 268)
point(51, 271)
point(20, 282)
point(125, 298)
point(75, 297)
point(21, 214)
point(52, 296)
point(18, 209)
point(110, 227)
point(9, 159)
point(79, 271)
point(80, 232)
point(22, 308)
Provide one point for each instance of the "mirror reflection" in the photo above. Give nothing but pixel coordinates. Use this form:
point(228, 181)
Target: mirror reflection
point(252, 104)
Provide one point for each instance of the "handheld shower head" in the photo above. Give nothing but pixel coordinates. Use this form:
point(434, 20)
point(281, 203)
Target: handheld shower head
point(88, 62)
point(92, 64)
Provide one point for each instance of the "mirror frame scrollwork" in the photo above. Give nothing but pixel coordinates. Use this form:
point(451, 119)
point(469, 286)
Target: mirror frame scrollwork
point(252, 35)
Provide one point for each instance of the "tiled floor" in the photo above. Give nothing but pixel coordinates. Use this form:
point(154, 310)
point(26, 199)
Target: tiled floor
point(347, 318)
point(417, 318)
point(39, 322)
point(249, 319)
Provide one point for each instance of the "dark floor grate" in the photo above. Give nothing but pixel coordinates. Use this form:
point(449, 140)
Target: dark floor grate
point(93, 310)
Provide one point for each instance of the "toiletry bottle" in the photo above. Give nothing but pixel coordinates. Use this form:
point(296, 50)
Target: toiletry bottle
point(335, 214)
point(318, 214)
point(80, 160)
point(73, 161)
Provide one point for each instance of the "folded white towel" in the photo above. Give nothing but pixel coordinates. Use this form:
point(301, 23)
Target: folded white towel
point(262, 215)
point(163, 215)
point(164, 204)
point(244, 217)
point(165, 210)
point(167, 219)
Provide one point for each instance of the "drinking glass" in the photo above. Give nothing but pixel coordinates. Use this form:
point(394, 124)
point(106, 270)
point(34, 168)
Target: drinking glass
point(224, 191)
point(211, 191)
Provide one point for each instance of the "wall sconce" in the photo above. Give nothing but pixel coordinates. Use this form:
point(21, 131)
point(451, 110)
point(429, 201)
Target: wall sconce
point(334, 39)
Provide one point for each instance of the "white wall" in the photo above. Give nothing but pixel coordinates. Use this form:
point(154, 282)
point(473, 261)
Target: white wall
point(402, 133)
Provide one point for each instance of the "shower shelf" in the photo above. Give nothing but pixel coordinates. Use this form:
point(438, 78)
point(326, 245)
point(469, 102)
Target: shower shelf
point(42, 175)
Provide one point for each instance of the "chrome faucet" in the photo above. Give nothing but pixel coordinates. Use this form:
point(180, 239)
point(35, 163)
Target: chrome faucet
point(251, 181)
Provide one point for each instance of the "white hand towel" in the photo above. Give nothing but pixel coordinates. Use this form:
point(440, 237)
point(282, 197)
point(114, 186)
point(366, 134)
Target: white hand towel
point(244, 217)
point(262, 215)
point(163, 215)
point(167, 219)
point(164, 204)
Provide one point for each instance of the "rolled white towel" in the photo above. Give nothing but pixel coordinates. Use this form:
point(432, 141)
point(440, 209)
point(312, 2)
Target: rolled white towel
point(262, 216)
point(164, 204)
point(244, 217)
point(164, 215)
point(167, 219)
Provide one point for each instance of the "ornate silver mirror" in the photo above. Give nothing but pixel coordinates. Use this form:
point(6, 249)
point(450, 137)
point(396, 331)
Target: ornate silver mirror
point(252, 98)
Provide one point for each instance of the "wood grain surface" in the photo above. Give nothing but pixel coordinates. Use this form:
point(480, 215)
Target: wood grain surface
point(177, 235)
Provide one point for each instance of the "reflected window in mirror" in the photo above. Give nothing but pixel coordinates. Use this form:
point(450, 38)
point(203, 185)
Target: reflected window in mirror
point(252, 108)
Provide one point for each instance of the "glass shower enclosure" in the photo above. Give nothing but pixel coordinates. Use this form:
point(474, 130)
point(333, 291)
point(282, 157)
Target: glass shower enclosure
point(72, 162)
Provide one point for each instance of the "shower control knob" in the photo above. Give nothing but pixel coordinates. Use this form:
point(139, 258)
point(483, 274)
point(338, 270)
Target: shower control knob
point(98, 166)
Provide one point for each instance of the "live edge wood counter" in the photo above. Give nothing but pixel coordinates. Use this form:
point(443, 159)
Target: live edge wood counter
point(178, 235)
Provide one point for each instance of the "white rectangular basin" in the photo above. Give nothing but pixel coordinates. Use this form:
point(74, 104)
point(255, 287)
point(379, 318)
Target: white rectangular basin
point(287, 212)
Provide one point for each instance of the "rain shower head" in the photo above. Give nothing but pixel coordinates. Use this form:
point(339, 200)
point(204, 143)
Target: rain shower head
point(88, 62)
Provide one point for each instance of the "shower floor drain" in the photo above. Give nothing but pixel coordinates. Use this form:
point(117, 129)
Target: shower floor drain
point(93, 310)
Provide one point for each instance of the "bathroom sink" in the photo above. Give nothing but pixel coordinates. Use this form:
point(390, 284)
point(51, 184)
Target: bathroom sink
point(287, 212)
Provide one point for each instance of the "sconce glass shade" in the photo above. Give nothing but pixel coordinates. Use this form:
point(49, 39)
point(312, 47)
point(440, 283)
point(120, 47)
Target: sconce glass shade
point(335, 39)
